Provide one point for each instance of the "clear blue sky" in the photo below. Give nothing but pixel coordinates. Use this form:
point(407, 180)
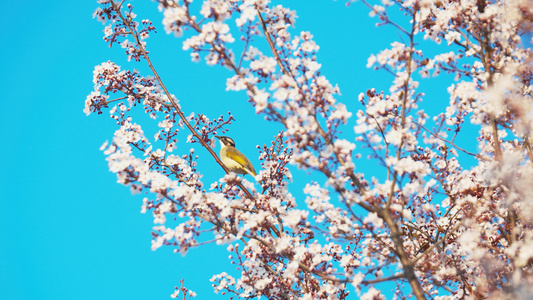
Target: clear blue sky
point(67, 229)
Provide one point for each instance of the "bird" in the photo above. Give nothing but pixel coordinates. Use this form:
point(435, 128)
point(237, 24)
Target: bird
point(234, 160)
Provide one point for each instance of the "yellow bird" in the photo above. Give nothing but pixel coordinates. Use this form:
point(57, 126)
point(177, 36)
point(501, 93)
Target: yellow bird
point(234, 160)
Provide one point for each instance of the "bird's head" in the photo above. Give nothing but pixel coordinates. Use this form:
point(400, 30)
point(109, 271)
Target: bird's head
point(226, 141)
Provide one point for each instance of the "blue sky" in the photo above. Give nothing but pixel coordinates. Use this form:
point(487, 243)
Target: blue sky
point(68, 230)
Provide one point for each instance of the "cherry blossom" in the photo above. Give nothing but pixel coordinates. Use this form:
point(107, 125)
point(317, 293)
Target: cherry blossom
point(437, 218)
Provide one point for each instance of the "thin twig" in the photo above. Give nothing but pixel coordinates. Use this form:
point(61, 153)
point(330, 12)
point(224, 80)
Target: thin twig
point(448, 142)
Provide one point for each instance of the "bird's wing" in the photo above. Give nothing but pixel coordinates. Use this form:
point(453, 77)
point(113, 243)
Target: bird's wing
point(237, 156)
